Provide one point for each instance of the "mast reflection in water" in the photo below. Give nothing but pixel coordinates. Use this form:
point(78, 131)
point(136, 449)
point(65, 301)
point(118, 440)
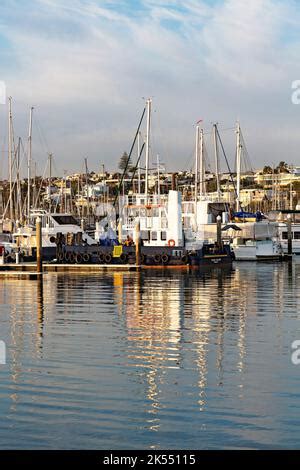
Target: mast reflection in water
point(151, 360)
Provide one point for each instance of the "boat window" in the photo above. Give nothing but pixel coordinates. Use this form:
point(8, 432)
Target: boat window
point(4, 237)
point(177, 253)
point(297, 235)
point(131, 212)
point(163, 236)
point(64, 219)
point(154, 235)
point(284, 235)
point(145, 234)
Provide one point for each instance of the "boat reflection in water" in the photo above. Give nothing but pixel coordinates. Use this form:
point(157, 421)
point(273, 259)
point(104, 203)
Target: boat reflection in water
point(151, 359)
point(167, 313)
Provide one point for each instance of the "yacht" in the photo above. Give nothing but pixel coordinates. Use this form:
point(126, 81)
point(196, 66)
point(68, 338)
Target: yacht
point(52, 225)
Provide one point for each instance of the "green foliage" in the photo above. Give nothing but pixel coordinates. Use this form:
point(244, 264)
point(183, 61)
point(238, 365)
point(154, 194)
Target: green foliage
point(123, 163)
point(282, 167)
point(267, 170)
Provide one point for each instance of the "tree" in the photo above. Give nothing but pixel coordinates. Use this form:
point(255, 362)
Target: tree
point(282, 167)
point(267, 170)
point(124, 163)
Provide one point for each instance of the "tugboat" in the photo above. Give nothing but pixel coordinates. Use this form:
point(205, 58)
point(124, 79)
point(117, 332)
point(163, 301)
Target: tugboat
point(161, 237)
point(161, 234)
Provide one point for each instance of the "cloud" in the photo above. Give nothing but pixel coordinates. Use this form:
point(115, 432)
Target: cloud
point(243, 42)
point(86, 65)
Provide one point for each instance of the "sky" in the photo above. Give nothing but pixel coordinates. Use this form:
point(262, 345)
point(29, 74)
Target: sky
point(87, 66)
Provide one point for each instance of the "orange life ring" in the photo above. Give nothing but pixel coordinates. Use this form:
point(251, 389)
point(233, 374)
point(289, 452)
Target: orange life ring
point(171, 242)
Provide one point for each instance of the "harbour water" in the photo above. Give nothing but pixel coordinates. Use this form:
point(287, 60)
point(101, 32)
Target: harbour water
point(152, 360)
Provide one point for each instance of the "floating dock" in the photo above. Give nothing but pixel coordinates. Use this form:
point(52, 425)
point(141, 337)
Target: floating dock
point(31, 268)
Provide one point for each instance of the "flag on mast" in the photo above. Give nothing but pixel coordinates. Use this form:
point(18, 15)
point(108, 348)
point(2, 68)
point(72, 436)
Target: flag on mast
point(200, 120)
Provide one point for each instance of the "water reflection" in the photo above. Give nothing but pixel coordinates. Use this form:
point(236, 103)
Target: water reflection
point(23, 303)
point(153, 313)
point(40, 307)
point(165, 312)
point(159, 309)
point(150, 357)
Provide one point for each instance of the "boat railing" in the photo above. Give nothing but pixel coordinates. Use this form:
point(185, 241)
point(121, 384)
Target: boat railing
point(142, 200)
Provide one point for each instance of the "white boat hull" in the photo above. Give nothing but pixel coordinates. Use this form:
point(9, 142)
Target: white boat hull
point(258, 250)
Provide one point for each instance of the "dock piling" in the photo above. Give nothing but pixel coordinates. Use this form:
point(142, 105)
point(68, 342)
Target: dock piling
point(39, 262)
point(138, 245)
point(219, 231)
point(289, 235)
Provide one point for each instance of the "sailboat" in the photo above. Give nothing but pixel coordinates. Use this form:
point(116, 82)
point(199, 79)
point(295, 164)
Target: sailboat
point(255, 238)
point(258, 238)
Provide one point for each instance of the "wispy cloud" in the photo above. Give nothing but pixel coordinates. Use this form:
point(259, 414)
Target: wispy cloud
point(86, 64)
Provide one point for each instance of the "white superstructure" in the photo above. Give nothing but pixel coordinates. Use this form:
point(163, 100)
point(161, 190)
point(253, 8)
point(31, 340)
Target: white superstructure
point(160, 218)
point(52, 224)
point(283, 237)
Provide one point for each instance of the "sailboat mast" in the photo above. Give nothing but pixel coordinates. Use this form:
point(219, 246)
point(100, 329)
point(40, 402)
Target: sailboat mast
point(202, 165)
point(18, 205)
point(148, 103)
point(29, 158)
point(197, 162)
point(217, 163)
point(50, 177)
point(34, 189)
point(87, 191)
point(238, 165)
point(158, 177)
point(138, 156)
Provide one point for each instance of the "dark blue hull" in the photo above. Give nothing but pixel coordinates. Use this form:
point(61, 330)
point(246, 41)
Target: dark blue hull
point(209, 255)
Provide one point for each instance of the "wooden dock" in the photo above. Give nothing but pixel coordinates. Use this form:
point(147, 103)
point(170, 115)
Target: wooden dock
point(12, 269)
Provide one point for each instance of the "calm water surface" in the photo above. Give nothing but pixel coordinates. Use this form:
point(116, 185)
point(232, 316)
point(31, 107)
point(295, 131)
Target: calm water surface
point(152, 360)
